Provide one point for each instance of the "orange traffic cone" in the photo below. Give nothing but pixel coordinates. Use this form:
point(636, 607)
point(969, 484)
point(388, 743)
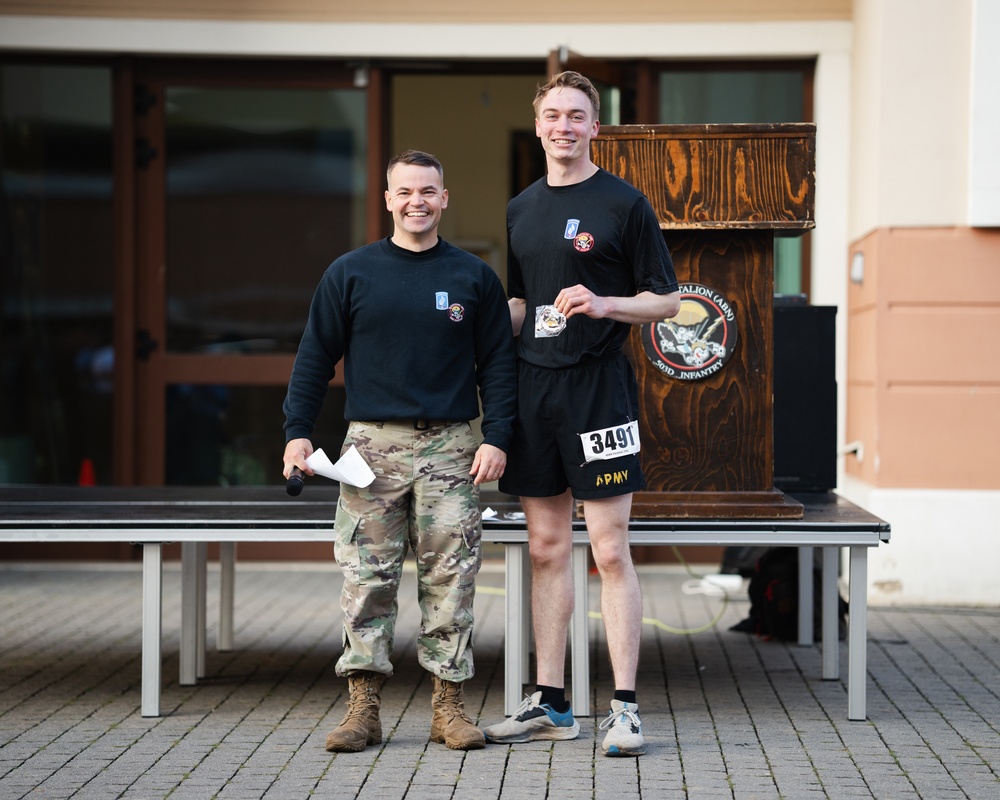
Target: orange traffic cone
point(87, 477)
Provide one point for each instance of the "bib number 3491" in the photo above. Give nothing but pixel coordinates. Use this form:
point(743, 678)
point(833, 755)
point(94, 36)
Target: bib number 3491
point(613, 442)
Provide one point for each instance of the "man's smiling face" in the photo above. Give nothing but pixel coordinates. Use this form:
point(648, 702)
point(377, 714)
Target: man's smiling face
point(565, 124)
point(416, 197)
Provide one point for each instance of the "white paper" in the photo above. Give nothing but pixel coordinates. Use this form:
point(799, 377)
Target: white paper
point(350, 467)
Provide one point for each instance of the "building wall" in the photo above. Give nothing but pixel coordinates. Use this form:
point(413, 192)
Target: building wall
point(439, 11)
point(905, 132)
point(910, 104)
point(794, 30)
point(923, 391)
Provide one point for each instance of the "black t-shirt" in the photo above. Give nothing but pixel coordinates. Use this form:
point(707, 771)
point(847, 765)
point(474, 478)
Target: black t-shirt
point(602, 233)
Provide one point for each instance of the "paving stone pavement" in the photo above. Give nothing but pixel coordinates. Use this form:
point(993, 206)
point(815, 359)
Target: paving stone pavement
point(726, 715)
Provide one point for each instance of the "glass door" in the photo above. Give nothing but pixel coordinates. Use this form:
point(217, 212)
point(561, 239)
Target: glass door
point(56, 272)
point(247, 187)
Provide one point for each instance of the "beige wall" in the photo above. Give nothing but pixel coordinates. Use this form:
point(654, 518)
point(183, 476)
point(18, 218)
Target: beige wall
point(910, 103)
point(922, 396)
point(923, 376)
point(464, 11)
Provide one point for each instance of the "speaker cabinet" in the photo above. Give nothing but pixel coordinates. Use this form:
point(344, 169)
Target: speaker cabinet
point(805, 395)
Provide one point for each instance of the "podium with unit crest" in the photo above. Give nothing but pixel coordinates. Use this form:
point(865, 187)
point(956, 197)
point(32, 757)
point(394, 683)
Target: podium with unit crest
point(721, 193)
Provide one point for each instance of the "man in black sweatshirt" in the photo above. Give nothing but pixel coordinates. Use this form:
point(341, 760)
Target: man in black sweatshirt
point(424, 330)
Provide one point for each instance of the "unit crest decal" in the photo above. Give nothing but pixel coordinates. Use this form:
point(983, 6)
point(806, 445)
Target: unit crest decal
point(698, 341)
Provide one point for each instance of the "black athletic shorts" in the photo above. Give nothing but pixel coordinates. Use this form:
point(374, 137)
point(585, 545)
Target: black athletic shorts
point(555, 407)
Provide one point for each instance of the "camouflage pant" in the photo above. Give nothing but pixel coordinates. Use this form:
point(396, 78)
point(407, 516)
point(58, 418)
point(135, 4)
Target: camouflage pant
point(422, 498)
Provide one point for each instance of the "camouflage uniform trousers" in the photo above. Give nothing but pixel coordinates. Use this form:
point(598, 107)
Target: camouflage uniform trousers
point(424, 499)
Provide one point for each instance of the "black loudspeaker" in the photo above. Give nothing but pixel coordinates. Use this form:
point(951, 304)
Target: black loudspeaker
point(805, 395)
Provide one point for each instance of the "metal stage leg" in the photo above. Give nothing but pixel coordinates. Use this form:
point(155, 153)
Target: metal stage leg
point(526, 621)
point(514, 628)
point(194, 591)
point(152, 627)
point(579, 638)
point(201, 596)
point(227, 592)
point(831, 609)
point(857, 635)
point(806, 632)
point(189, 615)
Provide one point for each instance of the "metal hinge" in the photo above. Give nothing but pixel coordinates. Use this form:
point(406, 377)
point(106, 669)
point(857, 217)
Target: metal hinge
point(145, 344)
point(143, 99)
point(144, 153)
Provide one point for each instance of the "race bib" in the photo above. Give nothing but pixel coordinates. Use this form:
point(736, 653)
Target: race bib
point(608, 443)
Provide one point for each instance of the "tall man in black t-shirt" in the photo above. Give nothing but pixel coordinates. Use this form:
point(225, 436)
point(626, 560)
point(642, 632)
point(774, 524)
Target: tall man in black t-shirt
point(425, 334)
point(586, 258)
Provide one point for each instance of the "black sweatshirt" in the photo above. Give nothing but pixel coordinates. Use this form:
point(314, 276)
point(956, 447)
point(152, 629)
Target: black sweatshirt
point(418, 332)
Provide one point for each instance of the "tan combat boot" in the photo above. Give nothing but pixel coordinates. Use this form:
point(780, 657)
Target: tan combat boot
point(361, 725)
point(450, 725)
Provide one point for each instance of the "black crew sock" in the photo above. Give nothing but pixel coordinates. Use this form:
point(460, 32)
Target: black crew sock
point(554, 697)
point(625, 697)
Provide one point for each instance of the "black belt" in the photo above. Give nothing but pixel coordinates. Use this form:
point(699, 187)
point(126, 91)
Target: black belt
point(417, 424)
point(425, 424)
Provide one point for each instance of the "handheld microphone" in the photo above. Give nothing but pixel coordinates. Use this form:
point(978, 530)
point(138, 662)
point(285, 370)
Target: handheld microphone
point(295, 482)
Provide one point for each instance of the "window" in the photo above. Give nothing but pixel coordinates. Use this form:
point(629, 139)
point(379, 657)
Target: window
point(56, 273)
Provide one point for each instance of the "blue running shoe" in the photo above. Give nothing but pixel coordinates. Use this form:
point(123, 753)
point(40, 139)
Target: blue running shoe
point(533, 721)
point(624, 737)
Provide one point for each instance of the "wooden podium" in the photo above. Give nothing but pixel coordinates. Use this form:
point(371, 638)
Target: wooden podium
point(720, 193)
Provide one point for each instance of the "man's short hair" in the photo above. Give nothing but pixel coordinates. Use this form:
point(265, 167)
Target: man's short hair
point(569, 80)
point(416, 157)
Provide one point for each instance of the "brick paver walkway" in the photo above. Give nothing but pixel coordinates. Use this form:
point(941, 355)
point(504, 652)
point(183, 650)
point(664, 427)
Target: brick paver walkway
point(726, 715)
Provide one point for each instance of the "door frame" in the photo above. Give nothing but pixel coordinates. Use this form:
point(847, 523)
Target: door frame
point(144, 369)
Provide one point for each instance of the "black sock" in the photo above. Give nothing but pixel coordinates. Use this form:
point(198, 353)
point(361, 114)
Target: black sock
point(553, 696)
point(625, 697)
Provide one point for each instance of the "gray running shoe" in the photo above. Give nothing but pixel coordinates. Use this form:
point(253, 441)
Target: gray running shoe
point(532, 721)
point(624, 737)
